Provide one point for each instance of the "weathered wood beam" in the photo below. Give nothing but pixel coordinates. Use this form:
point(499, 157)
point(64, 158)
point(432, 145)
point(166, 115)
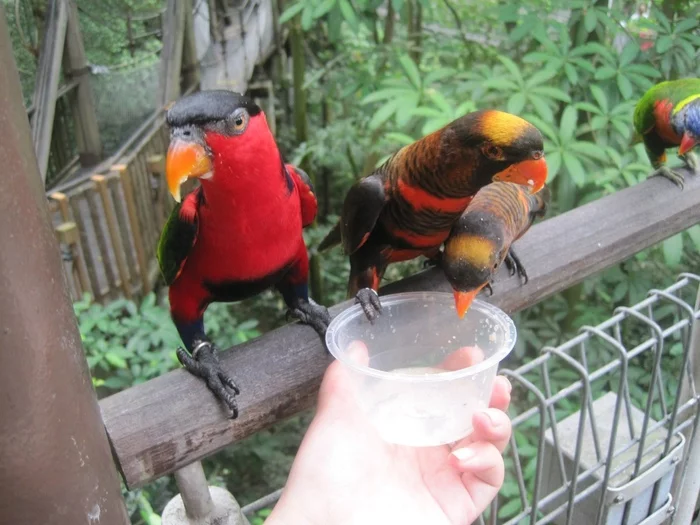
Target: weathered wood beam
point(163, 424)
point(87, 132)
point(171, 54)
point(190, 65)
point(47, 79)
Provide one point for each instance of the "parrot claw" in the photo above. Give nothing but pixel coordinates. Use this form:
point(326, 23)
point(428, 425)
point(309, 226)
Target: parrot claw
point(434, 261)
point(312, 314)
point(515, 266)
point(488, 287)
point(204, 363)
point(369, 300)
point(692, 162)
point(676, 178)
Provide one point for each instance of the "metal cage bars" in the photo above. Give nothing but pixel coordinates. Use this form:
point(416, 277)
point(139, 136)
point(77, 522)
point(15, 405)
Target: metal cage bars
point(631, 472)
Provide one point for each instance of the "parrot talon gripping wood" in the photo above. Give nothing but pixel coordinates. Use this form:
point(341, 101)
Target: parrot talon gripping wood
point(311, 313)
point(515, 266)
point(204, 363)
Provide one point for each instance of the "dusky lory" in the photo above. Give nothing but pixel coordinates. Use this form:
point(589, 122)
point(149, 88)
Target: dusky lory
point(480, 241)
point(237, 234)
point(668, 115)
point(407, 206)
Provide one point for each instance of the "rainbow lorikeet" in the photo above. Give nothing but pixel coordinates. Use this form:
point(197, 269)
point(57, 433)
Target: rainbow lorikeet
point(239, 232)
point(480, 241)
point(668, 115)
point(407, 206)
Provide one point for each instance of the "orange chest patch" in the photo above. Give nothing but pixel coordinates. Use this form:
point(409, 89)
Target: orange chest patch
point(394, 256)
point(662, 116)
point(419, 241)
point(419, 199)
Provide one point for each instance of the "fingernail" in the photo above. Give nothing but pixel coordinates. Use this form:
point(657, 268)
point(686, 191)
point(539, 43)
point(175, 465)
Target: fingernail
point(510, 386)
point(463, 454)
point(487, 412)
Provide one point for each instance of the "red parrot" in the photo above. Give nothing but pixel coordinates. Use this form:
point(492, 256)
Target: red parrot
point(407, 206)
point(240, 232)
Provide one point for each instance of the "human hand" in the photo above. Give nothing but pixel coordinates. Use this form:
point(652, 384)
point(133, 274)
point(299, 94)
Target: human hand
point(345, 474)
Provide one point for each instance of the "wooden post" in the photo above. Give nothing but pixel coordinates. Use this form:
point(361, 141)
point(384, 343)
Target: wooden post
point(156, 167)
point(64, 208)
point(216, 35)
point(87, 132)
point(67, 234)
point(171, 55)
point(134, 225)
point(190, 66)
point(56, 460)
point(47, 79)
point(113, 228)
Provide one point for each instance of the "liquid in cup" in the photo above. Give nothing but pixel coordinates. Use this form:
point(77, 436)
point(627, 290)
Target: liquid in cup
point(428, 370)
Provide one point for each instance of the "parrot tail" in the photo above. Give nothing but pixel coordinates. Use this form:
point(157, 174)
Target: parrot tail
point(331, 239)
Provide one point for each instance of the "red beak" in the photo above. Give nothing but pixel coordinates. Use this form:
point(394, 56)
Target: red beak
point(185, 160)
point(463, 300)
point(531, 173)
point(687, 143)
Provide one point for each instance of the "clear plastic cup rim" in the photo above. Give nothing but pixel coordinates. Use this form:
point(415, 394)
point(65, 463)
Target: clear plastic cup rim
point(493, 312)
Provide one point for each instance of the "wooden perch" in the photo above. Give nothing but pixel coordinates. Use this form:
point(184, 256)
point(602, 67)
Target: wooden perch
point(48, 77)
point(168, 422)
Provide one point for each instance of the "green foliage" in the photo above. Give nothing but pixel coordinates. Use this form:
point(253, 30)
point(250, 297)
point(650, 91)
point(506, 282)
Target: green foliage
point(676, 43)
point(128, 343)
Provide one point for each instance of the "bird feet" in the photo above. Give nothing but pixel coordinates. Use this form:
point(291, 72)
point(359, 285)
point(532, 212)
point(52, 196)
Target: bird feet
point(665, 171)
point(204, 363)
point(312, 314)
point(434, 261)
point(369, 300)
point(692, 162)
point(515, 266)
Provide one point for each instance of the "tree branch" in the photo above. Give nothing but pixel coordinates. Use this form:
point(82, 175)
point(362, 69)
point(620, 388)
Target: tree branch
point(458, 21)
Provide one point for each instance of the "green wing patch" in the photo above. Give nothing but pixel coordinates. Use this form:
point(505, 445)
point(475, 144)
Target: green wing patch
point(176, 241)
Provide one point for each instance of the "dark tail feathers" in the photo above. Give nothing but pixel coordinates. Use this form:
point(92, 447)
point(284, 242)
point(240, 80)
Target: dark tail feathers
point(331, 239)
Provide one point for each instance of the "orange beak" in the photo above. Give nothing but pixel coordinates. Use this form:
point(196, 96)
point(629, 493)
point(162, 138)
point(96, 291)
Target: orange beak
point(184, 160)
point(463, 300)
point(687, 143)
point(531, 173)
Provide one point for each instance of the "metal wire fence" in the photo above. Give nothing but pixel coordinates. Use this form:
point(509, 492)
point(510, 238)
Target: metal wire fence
point(603, 424)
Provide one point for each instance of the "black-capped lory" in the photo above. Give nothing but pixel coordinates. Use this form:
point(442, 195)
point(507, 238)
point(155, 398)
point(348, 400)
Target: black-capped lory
point(668, 116)
point(407, 206)
point(239, 232)
point(480, 241)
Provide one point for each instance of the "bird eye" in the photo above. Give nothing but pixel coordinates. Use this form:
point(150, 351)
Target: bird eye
point(239, 121)
point(537, 155)
point(493, 152)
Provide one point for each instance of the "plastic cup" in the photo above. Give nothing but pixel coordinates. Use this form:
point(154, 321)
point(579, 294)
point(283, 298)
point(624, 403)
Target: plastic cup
point(426, 371)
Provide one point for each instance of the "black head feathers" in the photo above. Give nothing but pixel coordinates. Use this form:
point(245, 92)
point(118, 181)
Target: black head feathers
point(204, 107)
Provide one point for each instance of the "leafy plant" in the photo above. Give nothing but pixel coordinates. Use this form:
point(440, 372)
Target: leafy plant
point(676, 43)
point(128, 343)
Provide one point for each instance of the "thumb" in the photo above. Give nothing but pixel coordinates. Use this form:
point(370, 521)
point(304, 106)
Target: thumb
point(338, 388)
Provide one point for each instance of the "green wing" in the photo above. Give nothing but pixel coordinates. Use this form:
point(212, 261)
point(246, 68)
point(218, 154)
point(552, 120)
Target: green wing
point(177, 238)
point(673, 90)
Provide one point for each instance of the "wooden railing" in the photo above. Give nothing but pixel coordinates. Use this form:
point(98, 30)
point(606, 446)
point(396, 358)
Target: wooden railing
point(108, 222)
point(171, 421)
